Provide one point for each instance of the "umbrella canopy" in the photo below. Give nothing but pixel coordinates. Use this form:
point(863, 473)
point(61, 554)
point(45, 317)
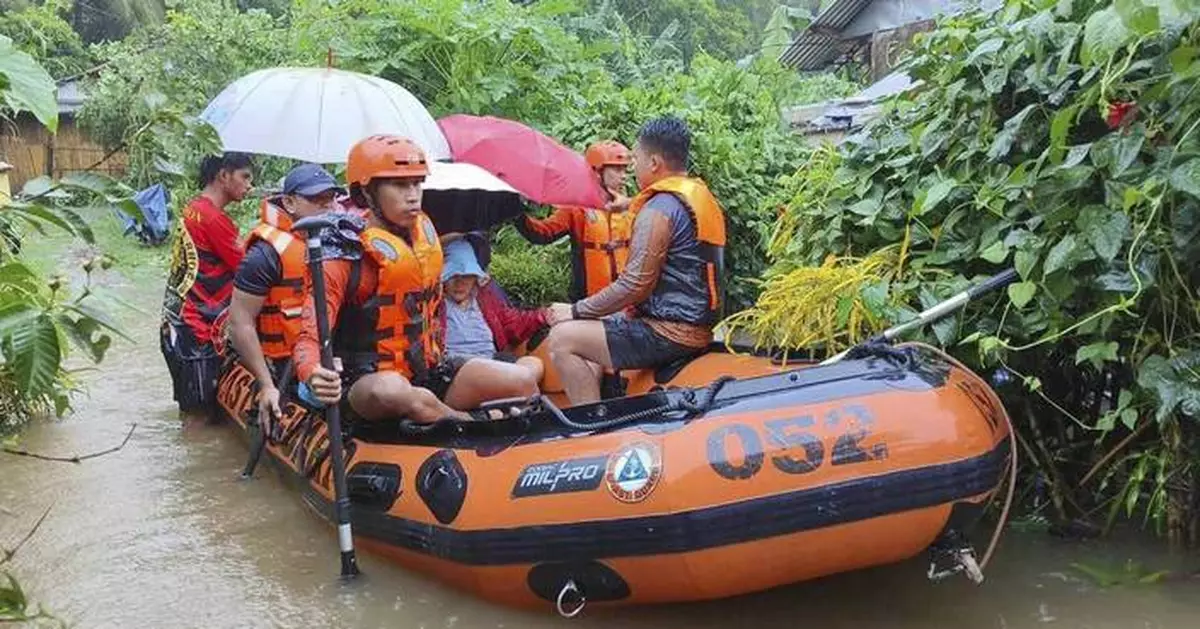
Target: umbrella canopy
point(535, 164)
point(317, 114)
point(464, 197)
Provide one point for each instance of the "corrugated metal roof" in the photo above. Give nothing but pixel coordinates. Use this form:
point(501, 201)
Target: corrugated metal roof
point(837, 28)
point(820, 41)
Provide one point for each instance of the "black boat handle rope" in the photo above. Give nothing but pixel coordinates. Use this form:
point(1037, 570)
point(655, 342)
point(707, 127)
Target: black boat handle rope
point(683, 402)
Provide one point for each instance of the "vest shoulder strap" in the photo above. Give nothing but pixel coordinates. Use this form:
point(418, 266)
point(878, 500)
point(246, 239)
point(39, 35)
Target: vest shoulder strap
point(277, 238)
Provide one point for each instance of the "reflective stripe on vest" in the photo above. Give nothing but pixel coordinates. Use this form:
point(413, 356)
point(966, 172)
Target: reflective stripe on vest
point(279, 319)
point(709, 220)
point(408, 295)
point(604, 239)
point(270, 213)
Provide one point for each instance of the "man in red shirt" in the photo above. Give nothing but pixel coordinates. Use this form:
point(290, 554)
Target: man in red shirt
point(205, 255)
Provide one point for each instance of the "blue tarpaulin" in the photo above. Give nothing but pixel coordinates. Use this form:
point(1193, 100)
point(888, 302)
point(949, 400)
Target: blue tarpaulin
point(155, 221)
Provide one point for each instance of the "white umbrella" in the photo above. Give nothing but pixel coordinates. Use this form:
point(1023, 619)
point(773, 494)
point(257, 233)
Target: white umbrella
point(462, 197)
point(317, 114)
point(464, 176)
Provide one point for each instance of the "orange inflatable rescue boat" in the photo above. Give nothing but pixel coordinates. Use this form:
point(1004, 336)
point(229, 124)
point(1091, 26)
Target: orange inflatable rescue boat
point(721, 475)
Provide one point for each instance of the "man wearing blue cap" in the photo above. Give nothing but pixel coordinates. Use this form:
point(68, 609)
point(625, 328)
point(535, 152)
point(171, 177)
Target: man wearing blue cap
point(268, 293)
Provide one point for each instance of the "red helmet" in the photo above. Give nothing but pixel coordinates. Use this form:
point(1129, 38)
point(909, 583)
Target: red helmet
point(381, 156)
point(607, 153)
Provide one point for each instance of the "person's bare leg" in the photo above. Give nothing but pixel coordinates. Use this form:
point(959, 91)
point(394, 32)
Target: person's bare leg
point(388, 395)
point(534, 365)
point(483, 380)
point(572, 345)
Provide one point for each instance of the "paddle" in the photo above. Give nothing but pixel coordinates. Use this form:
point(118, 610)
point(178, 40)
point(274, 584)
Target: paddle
point(262, 434)
point(333, 416)
point(937, 311)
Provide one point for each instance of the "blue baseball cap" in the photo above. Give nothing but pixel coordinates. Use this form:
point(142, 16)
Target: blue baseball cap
point(309, 180)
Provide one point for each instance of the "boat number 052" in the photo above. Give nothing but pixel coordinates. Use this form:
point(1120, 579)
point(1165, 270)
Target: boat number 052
point(801, 451)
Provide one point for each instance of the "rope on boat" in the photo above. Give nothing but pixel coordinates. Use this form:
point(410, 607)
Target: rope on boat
point(1012, 467)
point(685, 402)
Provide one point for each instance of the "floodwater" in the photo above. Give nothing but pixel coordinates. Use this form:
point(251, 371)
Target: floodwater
point(162, 534)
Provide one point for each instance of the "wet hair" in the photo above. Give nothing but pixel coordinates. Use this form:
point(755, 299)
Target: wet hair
point(669, 138)
point(212, 165)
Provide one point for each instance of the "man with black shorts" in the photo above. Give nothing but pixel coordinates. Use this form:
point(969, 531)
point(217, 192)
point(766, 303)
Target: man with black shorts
point(205, 254)
point(672, 282)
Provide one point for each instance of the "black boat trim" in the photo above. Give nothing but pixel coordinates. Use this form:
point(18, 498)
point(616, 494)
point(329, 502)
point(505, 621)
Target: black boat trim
point(688, 531)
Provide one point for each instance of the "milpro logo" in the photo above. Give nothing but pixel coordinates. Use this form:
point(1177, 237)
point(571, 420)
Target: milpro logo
point(559, 477)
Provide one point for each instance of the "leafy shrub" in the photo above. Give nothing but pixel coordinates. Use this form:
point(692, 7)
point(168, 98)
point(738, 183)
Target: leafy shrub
point(532, 275)
point(1059, 138)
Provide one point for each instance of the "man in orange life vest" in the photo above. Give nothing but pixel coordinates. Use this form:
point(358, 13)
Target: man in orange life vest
point(672, 280)
point(268, 292)
point(384, 306)
point(204, 256)
point(600, 236)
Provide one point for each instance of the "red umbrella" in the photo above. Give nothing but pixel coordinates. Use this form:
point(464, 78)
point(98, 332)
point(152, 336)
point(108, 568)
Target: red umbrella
point(535, 164)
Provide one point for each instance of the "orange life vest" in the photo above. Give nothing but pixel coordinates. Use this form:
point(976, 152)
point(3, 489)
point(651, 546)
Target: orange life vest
point(271, 214)
point(408, 294)
point(704, 266)
point(604, 240)
point(279, 320)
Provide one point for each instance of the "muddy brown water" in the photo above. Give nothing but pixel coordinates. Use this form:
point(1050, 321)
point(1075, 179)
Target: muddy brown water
point(163, 534)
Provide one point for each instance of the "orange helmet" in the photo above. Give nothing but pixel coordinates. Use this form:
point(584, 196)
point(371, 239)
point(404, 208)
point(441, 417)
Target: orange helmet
point(381, 156)
point(608, 153)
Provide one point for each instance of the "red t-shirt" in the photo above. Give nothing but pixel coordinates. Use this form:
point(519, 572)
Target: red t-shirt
point(211, 252)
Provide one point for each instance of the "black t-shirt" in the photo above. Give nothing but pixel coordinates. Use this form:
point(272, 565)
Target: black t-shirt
point(260, 270)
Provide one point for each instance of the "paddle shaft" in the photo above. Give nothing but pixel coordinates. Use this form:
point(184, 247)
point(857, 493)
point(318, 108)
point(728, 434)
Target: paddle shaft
point(333, 414)
point(941, 310)
point(260, 442)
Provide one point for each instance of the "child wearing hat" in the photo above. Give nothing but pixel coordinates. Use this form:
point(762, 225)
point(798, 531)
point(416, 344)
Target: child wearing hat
point(477, 319)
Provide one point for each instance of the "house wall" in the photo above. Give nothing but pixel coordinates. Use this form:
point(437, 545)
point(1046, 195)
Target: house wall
point(887, 47)
point(33, 151)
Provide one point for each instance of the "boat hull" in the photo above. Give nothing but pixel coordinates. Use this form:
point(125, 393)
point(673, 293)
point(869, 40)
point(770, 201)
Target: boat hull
point(788, 477)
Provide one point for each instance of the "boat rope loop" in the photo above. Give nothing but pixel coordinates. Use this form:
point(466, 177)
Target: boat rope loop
point(570, 592)
point(685, 402)
point(879, 347)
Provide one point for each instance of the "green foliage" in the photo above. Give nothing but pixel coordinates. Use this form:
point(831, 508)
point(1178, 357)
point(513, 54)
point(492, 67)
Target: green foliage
point(720, 29)
point(40, 319)
point(501, 59)
point(41, 31)
point(531, 275)
point(25, 86)
point(112, 20)
point(1058, 137)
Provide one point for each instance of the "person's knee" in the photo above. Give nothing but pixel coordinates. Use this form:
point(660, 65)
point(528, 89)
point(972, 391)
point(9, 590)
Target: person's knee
point(561, 342)
point(525, 382)
point(422, 403)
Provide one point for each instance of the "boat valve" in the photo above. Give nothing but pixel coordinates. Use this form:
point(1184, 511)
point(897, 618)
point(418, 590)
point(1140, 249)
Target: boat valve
point(570, 595)
point(951, 556)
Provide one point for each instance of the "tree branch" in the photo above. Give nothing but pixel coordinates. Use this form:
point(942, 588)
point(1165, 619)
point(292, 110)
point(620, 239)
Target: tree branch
point(72, 459)
point(9, 554)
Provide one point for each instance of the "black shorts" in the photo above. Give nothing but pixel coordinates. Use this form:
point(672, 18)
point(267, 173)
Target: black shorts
point(437, 380)
point(633, 344)
point(193, 365)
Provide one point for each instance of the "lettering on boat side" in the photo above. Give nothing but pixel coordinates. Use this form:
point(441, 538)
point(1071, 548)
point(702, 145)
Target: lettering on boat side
point(634, 471)
point(560, 477)
point(797, 451)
